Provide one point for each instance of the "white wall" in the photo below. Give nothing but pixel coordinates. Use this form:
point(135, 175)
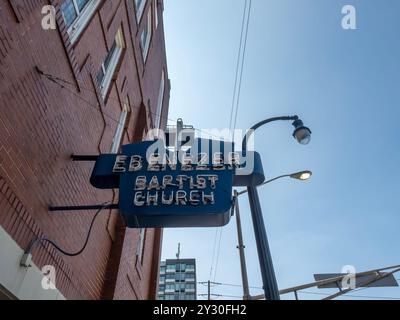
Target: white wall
point(23, 283)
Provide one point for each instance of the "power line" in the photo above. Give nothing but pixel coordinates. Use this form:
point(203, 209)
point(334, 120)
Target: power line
point(238, 65)
point(207, 133)
point(228, 285)
point(213, 254)
point(218, 252)
point(214, 284)
point(219, 295)
point(351, 295)
point(236, 94)
point(239, 286)
point(242, 66)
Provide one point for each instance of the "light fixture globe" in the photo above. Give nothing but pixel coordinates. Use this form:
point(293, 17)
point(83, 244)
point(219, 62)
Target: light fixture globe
point(301, 133)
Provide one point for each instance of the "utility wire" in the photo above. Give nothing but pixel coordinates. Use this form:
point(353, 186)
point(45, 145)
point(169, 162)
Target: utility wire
point(219, 295)
point(310, 293)
point(230, 127)
point(212, 284)
point(213, 254)
point(206, 133)
point(218, 252)
point(238, 286)
point(351, 295)
point(238, 65)
point(316, 293)
point(242, 66)
point(235, 103)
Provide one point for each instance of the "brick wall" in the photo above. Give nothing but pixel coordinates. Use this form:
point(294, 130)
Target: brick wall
point(45, 119)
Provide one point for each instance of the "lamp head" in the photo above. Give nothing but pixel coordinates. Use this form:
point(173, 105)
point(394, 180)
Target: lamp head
point(301, 133)
point(303, 175)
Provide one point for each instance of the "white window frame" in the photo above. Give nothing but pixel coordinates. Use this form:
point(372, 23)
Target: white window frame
point(146, 45)
point(160, 102)
point(156, 13)
point(109, 72)
point(140, 248)
point(83, 18)
point(139, 10)
point(116, 144)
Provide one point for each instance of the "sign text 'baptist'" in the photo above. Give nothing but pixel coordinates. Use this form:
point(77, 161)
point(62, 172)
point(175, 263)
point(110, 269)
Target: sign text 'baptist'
point(169, 189)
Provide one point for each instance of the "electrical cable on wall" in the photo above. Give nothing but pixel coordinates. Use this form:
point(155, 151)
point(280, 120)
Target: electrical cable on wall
point(28, 252)
point(55, 80)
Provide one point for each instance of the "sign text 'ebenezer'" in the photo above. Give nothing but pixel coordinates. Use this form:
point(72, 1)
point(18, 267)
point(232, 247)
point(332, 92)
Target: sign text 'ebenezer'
point(162, 188)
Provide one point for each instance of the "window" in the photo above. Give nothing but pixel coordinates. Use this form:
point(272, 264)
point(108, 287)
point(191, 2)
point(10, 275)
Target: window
point(145, 37)
point(69, 12)
point(162, 269)
point(170, 277)
point(108, 67)
point(160, 102)
point(139, 6)
point(140, 248)
point(156, 12)
point(171, 267)
point(180, 287)
point(190, 267)
point(120, 129)
point(170, 287)
point(179, 277)
point(189, 276)
point(190, 286)
point(180, 267)
point(76, 14)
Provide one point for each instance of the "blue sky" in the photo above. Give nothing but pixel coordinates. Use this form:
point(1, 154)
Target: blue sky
point(345, 86)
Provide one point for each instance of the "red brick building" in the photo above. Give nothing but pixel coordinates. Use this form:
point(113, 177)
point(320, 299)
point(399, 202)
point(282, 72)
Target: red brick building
point(96, 82)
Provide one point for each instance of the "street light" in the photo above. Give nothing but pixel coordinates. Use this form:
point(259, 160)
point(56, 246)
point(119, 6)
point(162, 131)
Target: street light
point(302, 176)
point(303, 135)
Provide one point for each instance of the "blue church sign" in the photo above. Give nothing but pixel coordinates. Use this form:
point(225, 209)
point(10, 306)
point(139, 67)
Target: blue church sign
point(159, 188)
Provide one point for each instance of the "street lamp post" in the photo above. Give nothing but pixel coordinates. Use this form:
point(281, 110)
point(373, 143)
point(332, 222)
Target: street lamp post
point(241, 247)
point(303, 176)
point(303, 135)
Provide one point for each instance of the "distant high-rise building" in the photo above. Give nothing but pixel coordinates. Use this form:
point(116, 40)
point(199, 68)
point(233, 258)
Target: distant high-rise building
point(177, 280)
